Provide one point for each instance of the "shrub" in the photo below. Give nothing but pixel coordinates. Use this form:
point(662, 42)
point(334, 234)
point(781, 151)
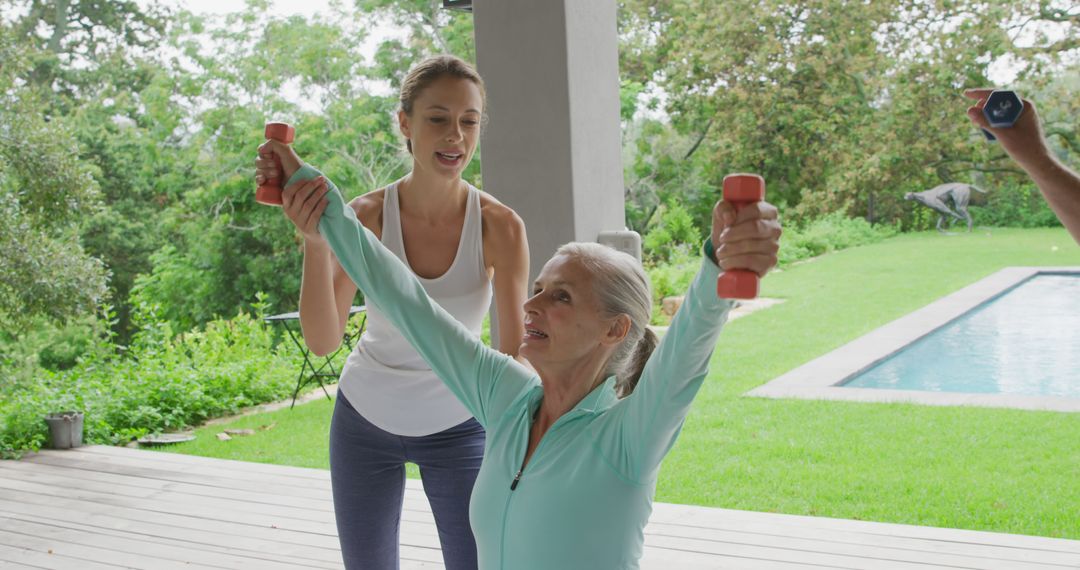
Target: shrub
point(161, 382)
point(831, 232)
point(676, 227)
point(672, 277)
point(1019, 205)
point(672, 273)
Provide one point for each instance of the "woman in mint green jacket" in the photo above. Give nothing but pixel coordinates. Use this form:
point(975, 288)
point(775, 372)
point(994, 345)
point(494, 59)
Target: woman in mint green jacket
point(573, 448)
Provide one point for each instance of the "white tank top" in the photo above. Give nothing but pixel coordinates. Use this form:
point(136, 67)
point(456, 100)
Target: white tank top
point(384, 378)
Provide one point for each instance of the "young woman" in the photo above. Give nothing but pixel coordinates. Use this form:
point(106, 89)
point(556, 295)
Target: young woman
point(455, 241)
point(574, 448)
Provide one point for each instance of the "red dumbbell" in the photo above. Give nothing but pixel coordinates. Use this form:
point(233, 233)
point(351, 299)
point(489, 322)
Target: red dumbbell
point(269, 192)
point(741, 190)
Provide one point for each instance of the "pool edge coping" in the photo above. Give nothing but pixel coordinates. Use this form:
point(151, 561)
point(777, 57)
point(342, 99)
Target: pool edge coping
point(820, 378)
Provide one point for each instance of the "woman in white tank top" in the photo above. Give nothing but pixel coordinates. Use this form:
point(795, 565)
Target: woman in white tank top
point(391, 408)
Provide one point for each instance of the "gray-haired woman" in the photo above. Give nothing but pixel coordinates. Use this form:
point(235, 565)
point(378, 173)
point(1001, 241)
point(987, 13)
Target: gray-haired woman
point(573, 448)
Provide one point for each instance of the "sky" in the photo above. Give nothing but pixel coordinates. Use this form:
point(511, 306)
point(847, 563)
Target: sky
point(307, 8)
point(1001, 72)
point(286, 7)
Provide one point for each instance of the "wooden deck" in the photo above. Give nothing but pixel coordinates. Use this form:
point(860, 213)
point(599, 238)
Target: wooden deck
point(99, 508)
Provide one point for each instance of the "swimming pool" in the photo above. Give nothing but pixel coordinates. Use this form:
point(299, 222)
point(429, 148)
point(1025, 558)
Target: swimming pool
point(1026, 341)
point(1009, 340)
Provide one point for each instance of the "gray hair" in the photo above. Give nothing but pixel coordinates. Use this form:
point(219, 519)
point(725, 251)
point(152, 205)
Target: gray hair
point(622, 288)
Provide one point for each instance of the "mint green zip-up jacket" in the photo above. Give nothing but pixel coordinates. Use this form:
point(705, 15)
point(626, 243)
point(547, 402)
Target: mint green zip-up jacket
point(584, 498)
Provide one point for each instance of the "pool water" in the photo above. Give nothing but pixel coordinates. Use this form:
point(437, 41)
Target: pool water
point(1025, 341)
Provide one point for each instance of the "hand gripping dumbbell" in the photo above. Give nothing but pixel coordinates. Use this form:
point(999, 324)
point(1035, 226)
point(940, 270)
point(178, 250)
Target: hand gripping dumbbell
point(269, 192)
point(1002, 110)
point(741, 190)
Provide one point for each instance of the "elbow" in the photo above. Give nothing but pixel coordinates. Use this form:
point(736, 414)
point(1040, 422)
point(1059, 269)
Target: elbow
point(321, 347)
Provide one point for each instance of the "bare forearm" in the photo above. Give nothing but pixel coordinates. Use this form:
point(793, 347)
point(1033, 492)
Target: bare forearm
point(1061, 188)
point(318, 307)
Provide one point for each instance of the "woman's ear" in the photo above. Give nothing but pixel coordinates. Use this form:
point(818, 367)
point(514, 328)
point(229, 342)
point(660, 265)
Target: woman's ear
point(618, 329)
point(403, 123)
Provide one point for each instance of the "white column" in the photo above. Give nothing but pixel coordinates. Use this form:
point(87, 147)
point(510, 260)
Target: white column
point(552, 148)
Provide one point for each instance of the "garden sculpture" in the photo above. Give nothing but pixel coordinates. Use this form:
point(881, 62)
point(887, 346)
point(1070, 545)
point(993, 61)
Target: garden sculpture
point(937, 199)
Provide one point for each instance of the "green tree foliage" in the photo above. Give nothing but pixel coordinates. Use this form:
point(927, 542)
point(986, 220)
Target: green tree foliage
point(841, 105)
point(430, 29)
point(44, 188)
point(223, 246)
point(76, 46)
point(92, 63)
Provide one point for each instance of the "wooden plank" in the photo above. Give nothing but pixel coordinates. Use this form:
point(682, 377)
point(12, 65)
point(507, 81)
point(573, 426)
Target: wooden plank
point(709, 518)
point(226, 469)
point(103, 553)
point(161, 499)
point(209, 509)
point(416, 505)
point(55, 533)
point(661, 559)
point(793, 555)
point(139, 459)
point(221, 506)
point(233, 535)
point(179, 507)
point(164, 456)
point(181, 476)
point(141, 487)
point(150, 534)
point(267, 540)
point(832, 554)
point(15, 557)
point(713, 517)
point(834, 541)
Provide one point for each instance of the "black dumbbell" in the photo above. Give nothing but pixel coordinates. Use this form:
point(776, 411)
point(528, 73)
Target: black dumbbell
point(1002, 110)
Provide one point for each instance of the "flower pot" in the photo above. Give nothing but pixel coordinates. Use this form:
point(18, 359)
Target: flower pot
point(65, 429)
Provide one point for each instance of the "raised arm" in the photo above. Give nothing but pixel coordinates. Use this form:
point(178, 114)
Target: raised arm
point(326, 293)
point(484, 380)
point(647, 422)
point(1026, 144)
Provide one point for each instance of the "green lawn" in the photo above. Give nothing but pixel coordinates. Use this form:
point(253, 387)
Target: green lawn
point(986, 469)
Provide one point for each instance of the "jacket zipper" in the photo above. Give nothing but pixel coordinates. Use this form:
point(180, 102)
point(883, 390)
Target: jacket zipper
point(539, 446)
point(514, 485)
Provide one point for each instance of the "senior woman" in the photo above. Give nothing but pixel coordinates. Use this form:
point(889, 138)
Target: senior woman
point(573, 448)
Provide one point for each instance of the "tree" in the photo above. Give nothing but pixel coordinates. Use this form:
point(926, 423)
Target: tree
point(44, 189)
point(841, 105)
point(222, 246)
point(72, 40)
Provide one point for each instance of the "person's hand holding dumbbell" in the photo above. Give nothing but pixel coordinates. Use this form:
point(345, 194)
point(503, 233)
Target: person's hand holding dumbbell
point(1022, 138)
point(745, 236)
point(303, 202)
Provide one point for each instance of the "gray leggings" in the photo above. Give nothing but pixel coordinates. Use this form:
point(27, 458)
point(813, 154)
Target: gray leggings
point(367, 471)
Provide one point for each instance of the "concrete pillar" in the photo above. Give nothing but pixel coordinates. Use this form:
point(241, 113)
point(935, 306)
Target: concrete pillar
point(552, 148)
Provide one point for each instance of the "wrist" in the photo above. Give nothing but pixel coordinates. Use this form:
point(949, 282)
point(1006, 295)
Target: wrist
point(709, 251)
point(290, 165)
point(316, 247)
